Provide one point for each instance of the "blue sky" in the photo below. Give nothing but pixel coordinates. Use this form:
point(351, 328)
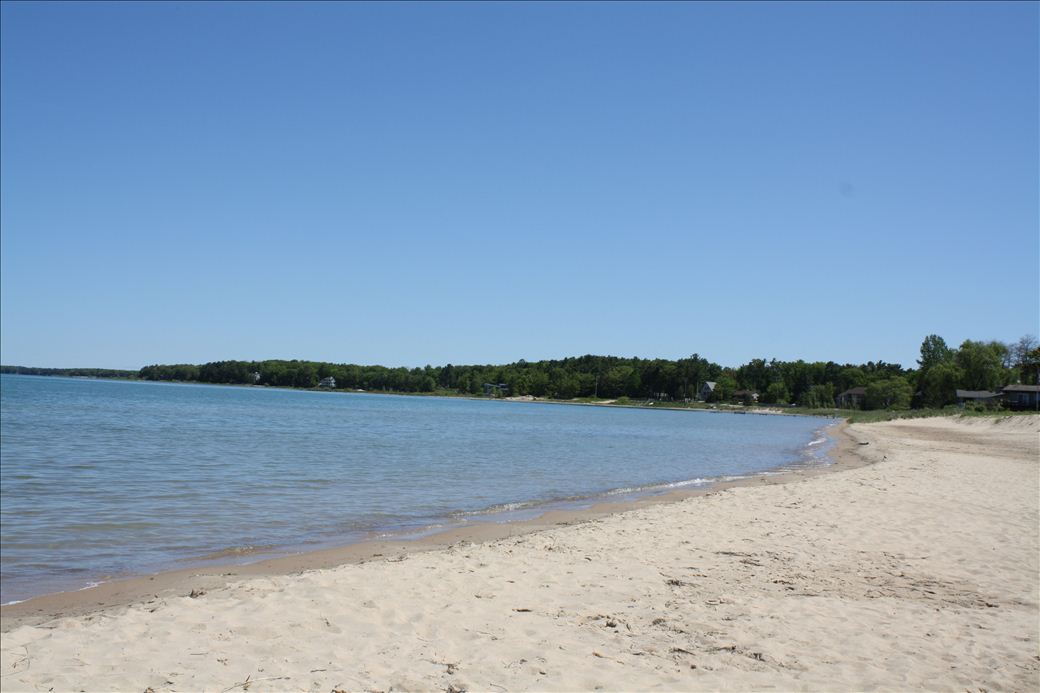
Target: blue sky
point(478, 183)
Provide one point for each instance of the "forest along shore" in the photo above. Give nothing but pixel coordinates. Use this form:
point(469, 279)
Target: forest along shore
point(916, 571)
point(974, 366)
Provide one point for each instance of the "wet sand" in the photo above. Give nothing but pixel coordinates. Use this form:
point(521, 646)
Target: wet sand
point(919, 570)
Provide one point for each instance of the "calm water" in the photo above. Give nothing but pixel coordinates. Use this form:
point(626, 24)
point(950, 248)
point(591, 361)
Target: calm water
point(106, 478)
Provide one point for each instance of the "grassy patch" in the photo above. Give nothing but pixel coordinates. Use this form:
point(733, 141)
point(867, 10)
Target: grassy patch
point(878, 415)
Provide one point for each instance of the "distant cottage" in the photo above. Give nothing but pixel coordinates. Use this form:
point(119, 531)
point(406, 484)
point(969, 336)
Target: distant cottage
point(853, 398)
point(328, 382)
point(981, 396)
point(496, 389)
point(746, 396)
point(1022, 396)
point(707, 390)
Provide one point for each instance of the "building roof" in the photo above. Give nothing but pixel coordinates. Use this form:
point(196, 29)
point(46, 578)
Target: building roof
point(1021, 388)
point(710, 384)
point(862, 391)
point(976, 394)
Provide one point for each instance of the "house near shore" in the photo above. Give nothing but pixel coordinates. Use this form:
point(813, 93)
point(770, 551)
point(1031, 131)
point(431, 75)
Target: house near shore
point(745, 396)
point(1021, 396)
point(496, 389)
point(853, 398)
point(980, 396)
point(328, 382)
point(707, 390)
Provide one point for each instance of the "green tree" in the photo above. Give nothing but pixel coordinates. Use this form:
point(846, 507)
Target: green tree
point(939, 384)
point(614, 382)
point(538, 385)
point(725, 385)
point(982, 364)
point(563, 385)
point(1029, 367)
point(818, 396)
point(776, 393)
point(306, 375)
point(890, 393)
point(933, 352)
point(1025, 359)
point(938, 375)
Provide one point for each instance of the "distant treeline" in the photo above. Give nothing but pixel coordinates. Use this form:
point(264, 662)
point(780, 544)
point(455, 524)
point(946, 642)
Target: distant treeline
point(583, 376)
point(942, 370)
point(71, 372)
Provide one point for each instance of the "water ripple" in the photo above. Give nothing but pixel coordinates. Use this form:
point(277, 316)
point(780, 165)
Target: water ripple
point(103, 478)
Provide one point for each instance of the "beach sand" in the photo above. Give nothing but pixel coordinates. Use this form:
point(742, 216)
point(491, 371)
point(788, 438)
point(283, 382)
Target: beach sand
point(919, 571)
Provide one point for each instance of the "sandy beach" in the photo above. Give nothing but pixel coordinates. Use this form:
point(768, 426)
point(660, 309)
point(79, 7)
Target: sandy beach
point(913, 565)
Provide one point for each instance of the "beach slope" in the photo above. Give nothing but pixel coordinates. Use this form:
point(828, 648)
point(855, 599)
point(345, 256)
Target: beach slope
point(919, 571)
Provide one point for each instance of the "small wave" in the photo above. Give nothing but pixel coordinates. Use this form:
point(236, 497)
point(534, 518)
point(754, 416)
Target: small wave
point(689, 482)
point(506, 507)
point(626, 490)
point(109, 526)
point(818, 441)
point(232, 552)
point(659, 487)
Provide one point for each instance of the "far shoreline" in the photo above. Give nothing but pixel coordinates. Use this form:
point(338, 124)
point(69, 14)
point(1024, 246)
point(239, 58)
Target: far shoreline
point(720, 408)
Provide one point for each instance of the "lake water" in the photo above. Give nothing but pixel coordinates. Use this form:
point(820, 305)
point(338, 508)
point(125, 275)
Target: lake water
point(100, 478)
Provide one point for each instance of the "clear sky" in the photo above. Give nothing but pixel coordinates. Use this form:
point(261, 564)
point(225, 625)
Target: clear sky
point(477, 183)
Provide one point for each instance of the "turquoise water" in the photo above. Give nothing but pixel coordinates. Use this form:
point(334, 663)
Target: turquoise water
point(108, 478)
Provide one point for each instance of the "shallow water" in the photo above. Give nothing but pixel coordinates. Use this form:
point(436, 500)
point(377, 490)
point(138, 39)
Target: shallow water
point(109, 478)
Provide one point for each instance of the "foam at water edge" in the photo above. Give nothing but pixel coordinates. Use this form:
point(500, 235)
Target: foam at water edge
point(816, 451)
point(88, 586)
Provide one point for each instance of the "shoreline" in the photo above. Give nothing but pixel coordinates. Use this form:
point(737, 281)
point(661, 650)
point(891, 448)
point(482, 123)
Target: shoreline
point(915, 568)
point(847, 415)
point(719, 408)
point(844, 453)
